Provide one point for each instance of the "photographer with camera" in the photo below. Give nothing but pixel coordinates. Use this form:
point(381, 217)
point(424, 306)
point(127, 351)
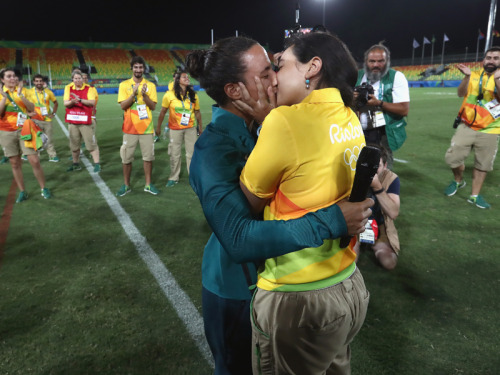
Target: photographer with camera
point(382, 100)
point(381, 234)
point(478, 126)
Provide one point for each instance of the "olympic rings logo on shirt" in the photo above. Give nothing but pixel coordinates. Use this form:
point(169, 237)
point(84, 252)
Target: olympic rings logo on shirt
point(351, 156)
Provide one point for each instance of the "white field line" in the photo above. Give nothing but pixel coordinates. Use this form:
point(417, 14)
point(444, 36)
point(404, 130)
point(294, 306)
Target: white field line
point(401, 161)
point(179, 300)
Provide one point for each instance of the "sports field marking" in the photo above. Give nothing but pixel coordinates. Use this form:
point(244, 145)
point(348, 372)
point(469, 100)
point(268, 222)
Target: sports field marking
point(179, 300)
point(401, 161)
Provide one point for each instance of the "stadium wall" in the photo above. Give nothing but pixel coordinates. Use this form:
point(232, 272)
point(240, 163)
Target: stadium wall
point(101, 45)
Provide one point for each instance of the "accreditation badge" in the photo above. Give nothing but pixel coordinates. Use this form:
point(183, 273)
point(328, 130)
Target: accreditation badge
point(142, 111)
point(493, 108)
point(44, 111)
point(371, 232)
point(21, 118)
point(379, 119)
point(185, 116)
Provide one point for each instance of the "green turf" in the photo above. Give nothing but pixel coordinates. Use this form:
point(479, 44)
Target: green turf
point(76, 298)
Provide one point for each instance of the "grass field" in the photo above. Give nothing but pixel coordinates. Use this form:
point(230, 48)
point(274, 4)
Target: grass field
point(79, 294)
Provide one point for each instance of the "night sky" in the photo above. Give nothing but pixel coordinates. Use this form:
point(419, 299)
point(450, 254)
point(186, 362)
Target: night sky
point(359, 23)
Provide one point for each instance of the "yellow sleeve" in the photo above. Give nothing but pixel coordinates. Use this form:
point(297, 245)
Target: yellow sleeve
point(66, 93)
point(51, 96)
point(153, 95)
point(91, 94)
point(165, 103)
point(123, 93)
point(274, 156)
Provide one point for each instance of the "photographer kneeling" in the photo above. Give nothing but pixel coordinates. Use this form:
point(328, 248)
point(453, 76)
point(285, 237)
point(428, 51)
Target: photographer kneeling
point(385, 191)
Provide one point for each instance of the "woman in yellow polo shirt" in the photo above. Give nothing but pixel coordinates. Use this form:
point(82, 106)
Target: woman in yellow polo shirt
point(309, 304)
point(14, 109)
point(183, 106)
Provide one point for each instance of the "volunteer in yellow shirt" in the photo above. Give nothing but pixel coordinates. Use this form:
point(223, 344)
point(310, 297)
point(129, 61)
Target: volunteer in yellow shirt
point(42, 98)
point(14, 109)
point(137, 98)
point(183, 106)
point(304, 160)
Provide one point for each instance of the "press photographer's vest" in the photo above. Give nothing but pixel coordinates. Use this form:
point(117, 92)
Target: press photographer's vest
point(394, 124)
point(475, 114)
point(79, 114)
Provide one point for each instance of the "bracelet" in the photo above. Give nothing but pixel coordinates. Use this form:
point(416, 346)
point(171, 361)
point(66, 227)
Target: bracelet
point(381, 104)
point(378, 191)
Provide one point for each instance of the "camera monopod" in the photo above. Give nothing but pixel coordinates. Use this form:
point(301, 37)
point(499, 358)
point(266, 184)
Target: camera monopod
point(366, 167)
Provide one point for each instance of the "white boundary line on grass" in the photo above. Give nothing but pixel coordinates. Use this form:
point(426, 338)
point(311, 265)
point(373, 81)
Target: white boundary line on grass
point(180, 301)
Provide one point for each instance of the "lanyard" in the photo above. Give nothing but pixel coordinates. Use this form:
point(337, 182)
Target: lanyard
point(481, 84)
point(135, 96)
point(44, 96)
point(190, 105)
point(13, 102)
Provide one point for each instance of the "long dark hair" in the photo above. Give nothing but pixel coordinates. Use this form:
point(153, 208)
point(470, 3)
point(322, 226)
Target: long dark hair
point(338, 69)
point(178, 90)
point(219, 65)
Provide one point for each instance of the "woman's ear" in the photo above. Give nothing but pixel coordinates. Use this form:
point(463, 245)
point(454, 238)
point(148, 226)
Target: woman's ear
point(315, 65)
point(233, 91)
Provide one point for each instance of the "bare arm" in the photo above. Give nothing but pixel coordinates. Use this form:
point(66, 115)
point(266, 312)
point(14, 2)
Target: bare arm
point(54, 108)
point(197, 115)
point(30, 107)
point(3, 104)
point(462, 88)
point(400, 109)
point(161, 116)
point(389, 202)
point(87, 102)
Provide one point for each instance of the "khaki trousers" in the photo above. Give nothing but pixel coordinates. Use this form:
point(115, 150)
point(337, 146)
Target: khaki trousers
point(307, 332)
point(189, 137)
point(46, 127)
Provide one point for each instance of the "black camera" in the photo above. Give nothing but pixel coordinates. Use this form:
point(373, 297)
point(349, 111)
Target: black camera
point(364, 91)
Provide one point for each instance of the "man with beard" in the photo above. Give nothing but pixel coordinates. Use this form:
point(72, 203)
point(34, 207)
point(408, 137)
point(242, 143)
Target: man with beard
point(383, 117)
point(137, 97)
point(478, 127)
point(42, 97)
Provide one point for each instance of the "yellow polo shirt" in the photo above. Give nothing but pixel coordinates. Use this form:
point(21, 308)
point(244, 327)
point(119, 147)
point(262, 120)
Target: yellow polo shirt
point(132, 123)
point(9, 120)
point(42, 99)
point(177, 107)
point(305, 160)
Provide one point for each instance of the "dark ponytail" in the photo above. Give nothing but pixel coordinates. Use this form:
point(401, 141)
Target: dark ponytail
point(219, 65)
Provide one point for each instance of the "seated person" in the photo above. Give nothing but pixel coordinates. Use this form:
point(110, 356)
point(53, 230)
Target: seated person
point(385, 191)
